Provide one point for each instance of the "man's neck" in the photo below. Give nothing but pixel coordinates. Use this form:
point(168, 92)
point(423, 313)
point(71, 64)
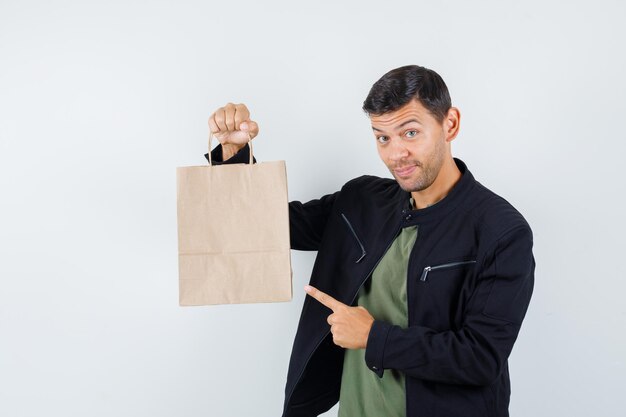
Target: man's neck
point(448, 176)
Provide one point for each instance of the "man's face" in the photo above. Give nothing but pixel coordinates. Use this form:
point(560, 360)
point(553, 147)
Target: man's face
point(412, 143)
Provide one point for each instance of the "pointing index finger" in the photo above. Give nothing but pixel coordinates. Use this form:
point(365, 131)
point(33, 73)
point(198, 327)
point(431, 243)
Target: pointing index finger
point(323, 298)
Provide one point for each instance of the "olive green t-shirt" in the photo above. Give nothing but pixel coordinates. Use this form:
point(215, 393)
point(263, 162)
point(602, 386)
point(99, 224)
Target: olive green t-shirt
point(363, 393)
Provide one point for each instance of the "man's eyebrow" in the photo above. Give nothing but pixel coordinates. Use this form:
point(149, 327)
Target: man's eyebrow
point(400, 125)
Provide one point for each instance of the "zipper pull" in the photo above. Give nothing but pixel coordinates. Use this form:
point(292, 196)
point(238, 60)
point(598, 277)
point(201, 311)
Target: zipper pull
point(362, 256)
point(425, 273)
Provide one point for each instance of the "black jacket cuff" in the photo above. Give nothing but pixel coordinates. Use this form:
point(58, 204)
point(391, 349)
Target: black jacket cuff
point(375, 349)
point(241, 157)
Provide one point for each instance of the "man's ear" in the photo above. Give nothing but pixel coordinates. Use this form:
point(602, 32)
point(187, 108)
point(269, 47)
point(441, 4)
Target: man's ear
point(452, 124)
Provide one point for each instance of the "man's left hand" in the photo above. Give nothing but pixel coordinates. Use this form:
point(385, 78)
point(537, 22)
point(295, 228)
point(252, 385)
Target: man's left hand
point(350, 326)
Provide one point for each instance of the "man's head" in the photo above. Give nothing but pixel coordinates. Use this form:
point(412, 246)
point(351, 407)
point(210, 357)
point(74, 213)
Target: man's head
point(414, 122)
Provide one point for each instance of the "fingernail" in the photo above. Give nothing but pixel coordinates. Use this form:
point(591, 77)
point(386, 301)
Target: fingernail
point(307, 288)
point(243, 126)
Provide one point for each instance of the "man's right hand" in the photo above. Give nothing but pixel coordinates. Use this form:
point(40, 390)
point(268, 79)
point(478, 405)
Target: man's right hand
point(231, 125)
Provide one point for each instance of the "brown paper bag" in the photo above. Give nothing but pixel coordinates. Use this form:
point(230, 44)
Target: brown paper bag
point(233, 233)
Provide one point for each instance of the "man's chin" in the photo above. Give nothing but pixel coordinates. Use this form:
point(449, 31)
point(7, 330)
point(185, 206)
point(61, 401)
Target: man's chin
point(405, 184)
point(409, 185)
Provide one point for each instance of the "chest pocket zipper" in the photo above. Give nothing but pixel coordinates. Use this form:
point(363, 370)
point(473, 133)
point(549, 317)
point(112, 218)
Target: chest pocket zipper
point(442, 266)
point(363, 253)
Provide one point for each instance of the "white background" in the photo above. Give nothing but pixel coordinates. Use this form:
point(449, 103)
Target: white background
point(101, 101)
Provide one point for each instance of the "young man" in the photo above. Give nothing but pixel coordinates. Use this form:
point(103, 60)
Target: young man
point(420, 284)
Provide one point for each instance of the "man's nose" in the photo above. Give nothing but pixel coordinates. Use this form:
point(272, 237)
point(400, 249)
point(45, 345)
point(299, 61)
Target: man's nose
point(398, 149)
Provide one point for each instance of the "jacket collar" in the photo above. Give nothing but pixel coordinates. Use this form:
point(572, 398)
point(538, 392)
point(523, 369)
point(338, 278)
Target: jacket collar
point(444, 207)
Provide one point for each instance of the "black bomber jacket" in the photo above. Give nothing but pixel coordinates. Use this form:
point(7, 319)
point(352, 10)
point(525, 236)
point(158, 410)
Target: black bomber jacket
point(469, 282)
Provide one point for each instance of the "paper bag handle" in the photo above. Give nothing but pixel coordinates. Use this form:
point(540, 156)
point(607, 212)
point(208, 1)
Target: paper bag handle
point(211, 140)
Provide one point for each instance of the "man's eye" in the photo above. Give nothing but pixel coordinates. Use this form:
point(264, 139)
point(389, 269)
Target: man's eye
point(382, 139)
point(411, 133)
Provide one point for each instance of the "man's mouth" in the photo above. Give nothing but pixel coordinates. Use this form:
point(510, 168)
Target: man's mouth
point(404, 171)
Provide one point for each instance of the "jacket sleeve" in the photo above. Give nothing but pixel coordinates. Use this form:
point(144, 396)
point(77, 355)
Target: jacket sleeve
point(476, 353)
point(241, 157)
point(307, 221)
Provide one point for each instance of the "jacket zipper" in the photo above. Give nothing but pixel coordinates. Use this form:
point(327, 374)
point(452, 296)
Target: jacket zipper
point(376, 264)
point(351, 302)
point(408, 307)
point(443, 266)
point(363, 253)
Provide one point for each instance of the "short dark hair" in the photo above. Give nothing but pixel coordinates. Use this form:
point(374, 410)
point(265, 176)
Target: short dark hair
point(401, 85)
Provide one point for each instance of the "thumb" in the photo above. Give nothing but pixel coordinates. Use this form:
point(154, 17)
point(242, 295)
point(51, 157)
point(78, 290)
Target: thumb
point(249, 127)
